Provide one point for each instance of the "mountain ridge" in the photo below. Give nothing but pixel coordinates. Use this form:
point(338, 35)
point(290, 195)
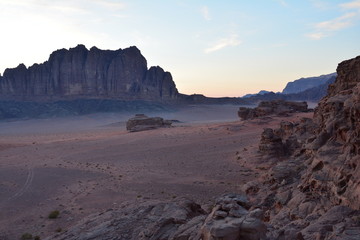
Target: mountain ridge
point(81, 73)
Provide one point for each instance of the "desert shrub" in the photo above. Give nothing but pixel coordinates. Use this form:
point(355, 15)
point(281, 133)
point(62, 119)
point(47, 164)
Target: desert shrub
point(54, 214)
point(36, 238)
point(26, 236)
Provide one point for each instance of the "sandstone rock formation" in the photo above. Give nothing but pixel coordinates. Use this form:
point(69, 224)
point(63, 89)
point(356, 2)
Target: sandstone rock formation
point(315, 193)
point(271, 144)
point(276, 107)
point(230, 219)
point(142, 122)
point(160, 221)
point(80, 73)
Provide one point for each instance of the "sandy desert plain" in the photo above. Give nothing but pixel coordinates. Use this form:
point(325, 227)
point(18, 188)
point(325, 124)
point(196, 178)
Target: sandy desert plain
point(88, 164)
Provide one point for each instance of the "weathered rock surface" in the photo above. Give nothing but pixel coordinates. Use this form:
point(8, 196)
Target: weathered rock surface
point(142, 122)
point(231, 218)
point(276, 107)
point(79, 73)
point(315, 193)
point(271, 144)
point(158, 221)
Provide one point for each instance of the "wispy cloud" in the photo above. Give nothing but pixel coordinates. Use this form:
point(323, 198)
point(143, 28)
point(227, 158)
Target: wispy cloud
point(351, 5)
point(316, 35)
point(232, 40)
point(109, 4)
point(336, 24)
point(320, 4)
point(282, 2)
point(326, 28)
point(205, 13)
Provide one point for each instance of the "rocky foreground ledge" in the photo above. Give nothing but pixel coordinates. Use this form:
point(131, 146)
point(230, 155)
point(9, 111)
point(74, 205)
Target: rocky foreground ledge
point(232, 217)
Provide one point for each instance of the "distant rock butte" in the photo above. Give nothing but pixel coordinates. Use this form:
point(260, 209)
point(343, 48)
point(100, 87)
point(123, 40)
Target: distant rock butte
point(275, 107)
point(82, 73)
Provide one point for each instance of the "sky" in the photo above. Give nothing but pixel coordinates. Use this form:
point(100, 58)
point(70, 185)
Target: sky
point(211, 47)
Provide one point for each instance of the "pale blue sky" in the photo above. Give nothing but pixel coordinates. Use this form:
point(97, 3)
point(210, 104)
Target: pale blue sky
point(218, 48)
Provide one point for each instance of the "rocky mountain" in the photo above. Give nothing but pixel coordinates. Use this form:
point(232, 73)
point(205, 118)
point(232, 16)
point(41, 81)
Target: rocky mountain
point(303, 84)
point(82, 73)
point(261, 92)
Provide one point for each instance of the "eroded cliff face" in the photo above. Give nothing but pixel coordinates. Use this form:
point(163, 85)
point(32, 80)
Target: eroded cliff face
point(338, 136)
point(315, 193)
point(79, 72)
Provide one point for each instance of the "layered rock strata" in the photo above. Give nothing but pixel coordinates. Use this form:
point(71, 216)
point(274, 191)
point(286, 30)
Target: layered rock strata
point(315, 193)
point(231, 218)
point(142, 122)
point(275, 107)
point(79, 73)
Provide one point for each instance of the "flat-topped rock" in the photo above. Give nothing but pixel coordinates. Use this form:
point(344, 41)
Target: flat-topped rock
point(141, 122)
point(275, 107)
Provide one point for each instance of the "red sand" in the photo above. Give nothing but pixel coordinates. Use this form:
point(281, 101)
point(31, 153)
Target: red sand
point(97, 168)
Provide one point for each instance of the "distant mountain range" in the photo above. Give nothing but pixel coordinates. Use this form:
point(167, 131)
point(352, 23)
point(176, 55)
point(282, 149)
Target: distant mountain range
point(310, 89)
point(303, 84)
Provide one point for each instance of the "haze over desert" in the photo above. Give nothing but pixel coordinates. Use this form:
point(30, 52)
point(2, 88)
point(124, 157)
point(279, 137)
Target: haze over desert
point(87, 164)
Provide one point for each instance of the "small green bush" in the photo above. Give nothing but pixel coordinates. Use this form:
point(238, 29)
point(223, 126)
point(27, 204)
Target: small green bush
point(54, 214)
point(26, 236)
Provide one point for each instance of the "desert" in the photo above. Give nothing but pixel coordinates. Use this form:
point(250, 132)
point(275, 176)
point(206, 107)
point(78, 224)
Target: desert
point(179, 120)
point(88, 164)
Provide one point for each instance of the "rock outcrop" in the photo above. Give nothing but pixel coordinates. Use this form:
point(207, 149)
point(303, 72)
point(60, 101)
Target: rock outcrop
point(160, 221)
point(276, 107)
point(141, 122)
point(271, 144)
point(315, 193)
point(231, 218)
point(82, 73)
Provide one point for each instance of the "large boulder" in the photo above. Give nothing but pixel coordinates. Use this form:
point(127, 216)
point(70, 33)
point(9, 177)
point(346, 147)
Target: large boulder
point(142, 122)
point(231, 219)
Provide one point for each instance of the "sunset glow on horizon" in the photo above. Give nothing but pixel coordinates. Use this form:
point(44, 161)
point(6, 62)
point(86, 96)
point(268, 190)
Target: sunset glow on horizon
point(210, 47)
